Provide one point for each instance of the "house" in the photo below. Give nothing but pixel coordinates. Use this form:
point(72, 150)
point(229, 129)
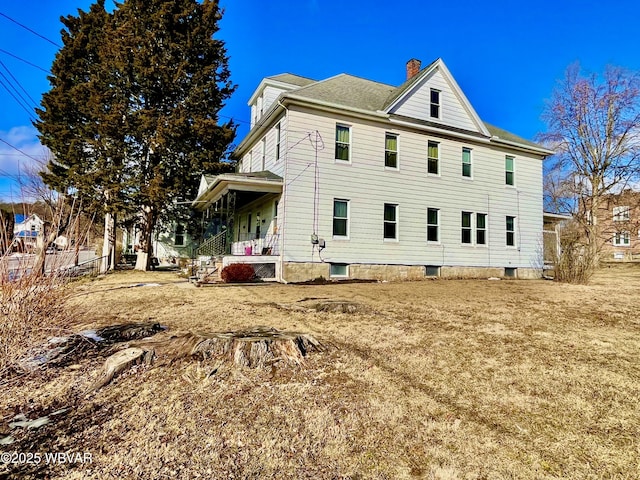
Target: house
point(351, 178)
point(618, 223)
point(170, 244)
point(26, 230)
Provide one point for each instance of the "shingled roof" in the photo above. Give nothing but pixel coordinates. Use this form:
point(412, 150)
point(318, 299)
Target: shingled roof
point(348, 91)
point(292, 79)
point(356, 93)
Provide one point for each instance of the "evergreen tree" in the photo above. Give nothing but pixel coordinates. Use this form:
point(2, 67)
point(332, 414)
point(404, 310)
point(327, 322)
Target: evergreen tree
point(132, 116)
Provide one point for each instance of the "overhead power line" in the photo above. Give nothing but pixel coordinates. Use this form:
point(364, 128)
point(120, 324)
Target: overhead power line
point(30, 30)
point(25, 61)
point(23, 153)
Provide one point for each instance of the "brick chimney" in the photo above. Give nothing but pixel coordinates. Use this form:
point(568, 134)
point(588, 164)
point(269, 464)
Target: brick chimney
point(413, 67)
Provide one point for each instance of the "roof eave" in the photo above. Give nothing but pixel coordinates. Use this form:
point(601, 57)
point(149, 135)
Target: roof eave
point(528, 148)
point(221, 185)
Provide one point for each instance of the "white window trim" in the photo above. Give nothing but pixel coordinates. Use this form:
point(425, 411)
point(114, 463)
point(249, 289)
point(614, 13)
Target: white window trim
point(513, 171)
point(263, 153)
point(623, 234)
point(439, 104)
point(470, 177)
point(486, 230)
point(621, 213)
point(471, 228)
point(515, 230)
point(278, 141)
point(397, 167)
point(347, 236)
point(439, 157)
point(346, 275)
point(397, 222)
point(434, 242)
point(350, 144)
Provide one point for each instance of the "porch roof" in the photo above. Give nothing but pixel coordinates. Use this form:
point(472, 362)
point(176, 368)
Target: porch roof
point(252, 183)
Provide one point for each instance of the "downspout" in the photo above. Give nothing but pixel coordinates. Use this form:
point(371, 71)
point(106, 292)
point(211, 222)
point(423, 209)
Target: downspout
point(283, 199)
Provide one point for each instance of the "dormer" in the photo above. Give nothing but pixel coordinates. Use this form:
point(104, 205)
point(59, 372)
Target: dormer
point(270, 89)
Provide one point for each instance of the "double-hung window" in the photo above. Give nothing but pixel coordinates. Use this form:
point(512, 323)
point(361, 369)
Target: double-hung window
point(341, 218)
point(179, 237)
point(263, 154)
point(434, 111)
point(471, 221)
point(433, 157)
point(390, 221)
point(622, 239)
point(343, 143)
point(481, 228)
point(277, 142)
point(621, 214)
point(466, 228)
point(511, 231)
point(433, 225)
point(509, 171)
point(466, 162)
point(391, 150)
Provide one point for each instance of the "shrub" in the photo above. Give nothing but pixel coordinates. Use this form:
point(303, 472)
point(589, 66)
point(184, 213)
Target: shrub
point(238, 272)
point(575, 262)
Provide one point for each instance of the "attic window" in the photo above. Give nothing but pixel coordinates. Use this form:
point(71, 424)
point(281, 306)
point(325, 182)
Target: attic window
point(435, 103)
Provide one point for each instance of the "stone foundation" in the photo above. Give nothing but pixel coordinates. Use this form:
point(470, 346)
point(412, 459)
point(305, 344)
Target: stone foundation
point(301, 272)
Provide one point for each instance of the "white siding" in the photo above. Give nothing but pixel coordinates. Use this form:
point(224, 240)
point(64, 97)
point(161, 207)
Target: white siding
point(252, 160)
point(270, 95)
point(368, 185)
point(263, 102)
point(452, 110)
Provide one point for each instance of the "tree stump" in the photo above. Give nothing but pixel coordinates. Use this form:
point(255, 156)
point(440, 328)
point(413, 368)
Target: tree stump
point(254, 348)
point(119, 362)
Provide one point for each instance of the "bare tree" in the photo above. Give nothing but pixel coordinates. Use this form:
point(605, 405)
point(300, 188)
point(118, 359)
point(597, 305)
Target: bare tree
point(593, 123)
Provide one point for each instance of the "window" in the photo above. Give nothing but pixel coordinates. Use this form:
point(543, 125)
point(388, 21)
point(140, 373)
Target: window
point(179, 237)
point(466, 162)
point(509, 173)
point(391, 150)
point(433, 215)
point(511, 231)
point(481, 228)
point(263, 152)
point(343, 143)
point(340, 218)
point(620, 214)
point(510, 272)
point(390, 221)
point(466, 227)
point(432, 271)
point(622, 239)
point(435, 104)
point(433, 157)
point(277, 142)
point(338, 270)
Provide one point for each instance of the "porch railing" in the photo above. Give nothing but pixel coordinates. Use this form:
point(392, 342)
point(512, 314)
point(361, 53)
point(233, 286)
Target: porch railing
point(214, 246)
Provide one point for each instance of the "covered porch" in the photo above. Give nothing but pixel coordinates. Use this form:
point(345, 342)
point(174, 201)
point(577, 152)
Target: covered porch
point(239, 215)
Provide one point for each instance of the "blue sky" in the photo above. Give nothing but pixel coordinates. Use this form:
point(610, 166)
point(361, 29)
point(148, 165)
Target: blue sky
point(505, 55)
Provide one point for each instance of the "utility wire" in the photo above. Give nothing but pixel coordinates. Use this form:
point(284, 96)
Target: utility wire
point(33, 102)
point(29, 30)
point(25, 61)
point(18, 150)
point(25, 108)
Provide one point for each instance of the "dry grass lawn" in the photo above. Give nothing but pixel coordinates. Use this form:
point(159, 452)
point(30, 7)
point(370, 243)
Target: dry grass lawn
point(444, 379)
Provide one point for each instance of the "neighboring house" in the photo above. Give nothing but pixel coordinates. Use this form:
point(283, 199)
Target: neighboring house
point(26, 230)
point(618, 221)
point(169, 244)
point(351, 178)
